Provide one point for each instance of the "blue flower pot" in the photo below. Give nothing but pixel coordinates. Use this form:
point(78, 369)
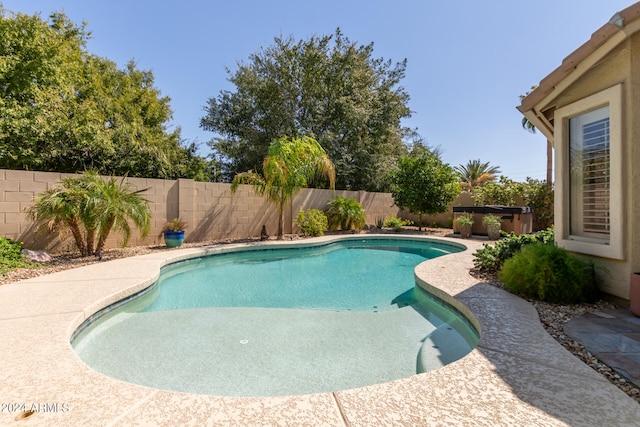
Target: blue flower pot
point(173, 239)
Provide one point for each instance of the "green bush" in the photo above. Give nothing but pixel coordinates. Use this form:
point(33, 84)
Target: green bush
point(539, 196)
point(346, 214)
point(533, 193)
point(11, 256)
point(491, 257)
point(491, 220)
point(395, 223)
point(549, 273)
point(312, 222)
point(505, 192)
point(465, 219)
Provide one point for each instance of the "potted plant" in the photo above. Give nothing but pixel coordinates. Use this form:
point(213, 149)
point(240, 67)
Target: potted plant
point(492, 224)
point(465, 222)
point(173, 232)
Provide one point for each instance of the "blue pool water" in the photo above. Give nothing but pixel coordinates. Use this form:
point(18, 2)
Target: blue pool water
point(282, 321)
point(364, 275)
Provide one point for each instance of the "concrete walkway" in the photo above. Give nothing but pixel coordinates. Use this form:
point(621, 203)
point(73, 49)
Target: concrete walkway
point(517, 375)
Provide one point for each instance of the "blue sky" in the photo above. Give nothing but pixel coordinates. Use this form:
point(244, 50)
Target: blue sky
point(468, 61)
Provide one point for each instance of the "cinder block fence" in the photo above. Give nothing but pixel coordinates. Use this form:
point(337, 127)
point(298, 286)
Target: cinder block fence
point(209, 209)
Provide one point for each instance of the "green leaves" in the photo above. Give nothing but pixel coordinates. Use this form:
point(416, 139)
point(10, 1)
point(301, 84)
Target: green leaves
point(491, 257)
point(290, 166)
point(549, 273)
point(90, 207)
point(475, 173)
point(345, 213)
point(63, 109)
point(312, 222)
point(506, 192)
point(324, 87)
point(424, 184)
point(11, 256)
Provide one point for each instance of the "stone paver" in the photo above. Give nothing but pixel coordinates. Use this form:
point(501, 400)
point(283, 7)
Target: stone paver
point(612, 336)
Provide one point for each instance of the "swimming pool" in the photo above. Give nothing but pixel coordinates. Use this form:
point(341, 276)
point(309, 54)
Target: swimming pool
point(281, 321)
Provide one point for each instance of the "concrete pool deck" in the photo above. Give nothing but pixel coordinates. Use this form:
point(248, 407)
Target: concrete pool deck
point(517, 375)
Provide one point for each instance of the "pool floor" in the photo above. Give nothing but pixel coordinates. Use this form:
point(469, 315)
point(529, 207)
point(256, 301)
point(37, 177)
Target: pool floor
point(261, 351)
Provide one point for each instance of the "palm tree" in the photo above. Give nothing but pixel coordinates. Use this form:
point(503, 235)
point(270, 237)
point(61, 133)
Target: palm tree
point(91, 207)
point(346, 213)
point(527, 125)
point(289, 167)
point(476, 173)
point(59, 210)
point(116, 204)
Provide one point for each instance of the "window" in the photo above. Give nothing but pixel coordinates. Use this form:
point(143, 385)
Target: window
point(589, 149)
point(588, 143)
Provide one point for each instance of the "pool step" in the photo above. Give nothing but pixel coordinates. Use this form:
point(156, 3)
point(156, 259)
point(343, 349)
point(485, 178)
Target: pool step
point(444, 345)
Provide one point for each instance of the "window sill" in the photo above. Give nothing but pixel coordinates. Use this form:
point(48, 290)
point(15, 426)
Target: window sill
point(601, 249)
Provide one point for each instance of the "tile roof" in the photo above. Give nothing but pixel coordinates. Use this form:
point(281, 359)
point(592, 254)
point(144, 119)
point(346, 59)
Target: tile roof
point(619, 22)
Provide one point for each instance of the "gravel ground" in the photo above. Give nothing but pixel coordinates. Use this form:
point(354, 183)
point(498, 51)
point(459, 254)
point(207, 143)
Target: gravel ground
point(552, 316)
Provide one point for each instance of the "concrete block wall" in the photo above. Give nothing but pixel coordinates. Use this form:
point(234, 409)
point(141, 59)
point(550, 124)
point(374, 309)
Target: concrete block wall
point(210, 210)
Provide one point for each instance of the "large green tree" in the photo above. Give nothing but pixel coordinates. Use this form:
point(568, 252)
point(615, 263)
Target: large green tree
point(424, 184)
point(327, 88)
point(63, 109)
point(292, 164)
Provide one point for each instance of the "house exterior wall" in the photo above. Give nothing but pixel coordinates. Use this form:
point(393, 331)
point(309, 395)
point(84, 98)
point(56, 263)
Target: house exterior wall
point(620, 67)
point(633, 159)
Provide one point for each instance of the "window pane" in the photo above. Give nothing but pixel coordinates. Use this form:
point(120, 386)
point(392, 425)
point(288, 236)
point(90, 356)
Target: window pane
point(589, 152)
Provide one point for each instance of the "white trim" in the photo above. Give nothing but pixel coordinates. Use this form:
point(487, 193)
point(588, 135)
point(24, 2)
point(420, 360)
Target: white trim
point(614, 248)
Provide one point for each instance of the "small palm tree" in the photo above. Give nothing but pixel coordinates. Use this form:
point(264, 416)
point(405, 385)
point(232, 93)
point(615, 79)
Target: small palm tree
point(91, 207)
point(116, 203)
point(476, 173)
point(289, 167)
point(59, 210)
point(345, 213)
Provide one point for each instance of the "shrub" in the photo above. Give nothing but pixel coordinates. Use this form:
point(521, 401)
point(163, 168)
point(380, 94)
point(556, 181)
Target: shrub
point(490, 219)
point(395, 223)
point(346, 214)
point(534, 193)
point(505, 192)
point(549, 273)
point(465, 219)
point(176, 224)
point(312, 222)
point(11, 256)
point(379, 222)
point(539, 196)
point(491, 257)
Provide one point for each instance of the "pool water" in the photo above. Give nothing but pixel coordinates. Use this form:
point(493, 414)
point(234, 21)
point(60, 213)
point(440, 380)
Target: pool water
point(282, 322)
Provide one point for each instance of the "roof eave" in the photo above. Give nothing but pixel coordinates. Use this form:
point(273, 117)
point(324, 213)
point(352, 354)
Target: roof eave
point(605, 39)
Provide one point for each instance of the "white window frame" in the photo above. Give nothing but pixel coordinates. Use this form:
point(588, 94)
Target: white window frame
point(613, 246)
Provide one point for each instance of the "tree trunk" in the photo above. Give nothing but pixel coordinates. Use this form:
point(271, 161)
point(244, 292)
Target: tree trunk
point(420, 222)
point(280, 220)
point(91, 237)
point(77, 236)
point(104, 233)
